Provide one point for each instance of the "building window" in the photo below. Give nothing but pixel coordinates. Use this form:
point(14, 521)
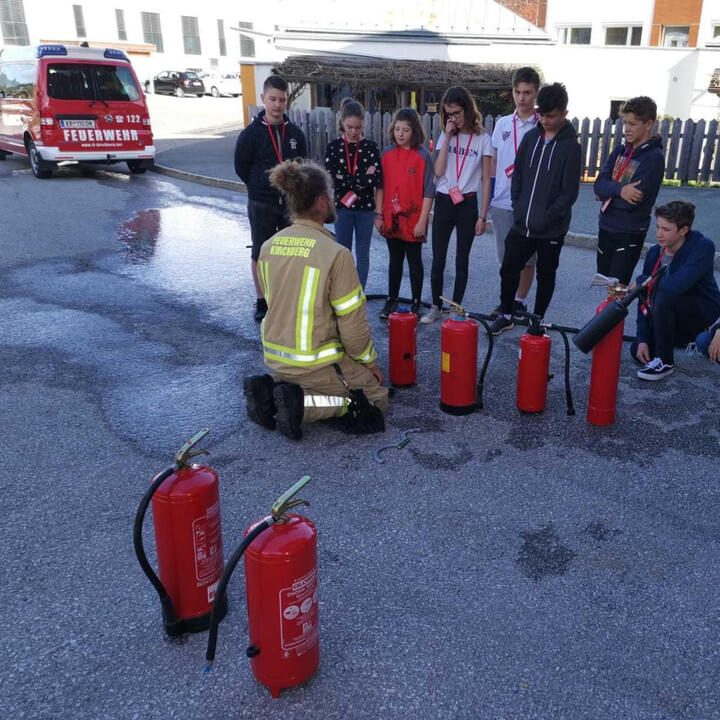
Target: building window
point(676, 36)
point(79, 21)
point(120, 20)
point(247, 44)
point(574, 35)
point(623, 35)
point(12, 22)
point(152, 32)
point(191, 35)
point(221, 38)
point(716, 31)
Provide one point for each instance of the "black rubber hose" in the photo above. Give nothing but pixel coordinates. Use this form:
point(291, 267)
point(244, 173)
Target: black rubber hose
point(568, 392)
point(488, 355)
point(484, 316)
point(167, 608)
point(222, 587)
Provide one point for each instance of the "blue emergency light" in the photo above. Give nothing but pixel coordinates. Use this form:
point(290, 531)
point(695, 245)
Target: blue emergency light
point(113, 54)
point(44, 50)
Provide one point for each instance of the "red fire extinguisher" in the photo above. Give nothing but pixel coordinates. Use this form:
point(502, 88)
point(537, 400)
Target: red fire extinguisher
point(533, 367)
point(458, 367)
point(186, 515)
point(605, 371)
point(282, 595)
point(403, 347)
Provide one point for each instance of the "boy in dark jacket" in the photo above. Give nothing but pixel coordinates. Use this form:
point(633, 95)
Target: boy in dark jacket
point(267, 141)
point(683, 300)
point(544, 187)
point(627, 186)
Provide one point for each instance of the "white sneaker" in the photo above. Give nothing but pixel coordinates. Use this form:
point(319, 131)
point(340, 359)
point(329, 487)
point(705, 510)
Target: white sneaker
point(656, 369)
point(432, 315)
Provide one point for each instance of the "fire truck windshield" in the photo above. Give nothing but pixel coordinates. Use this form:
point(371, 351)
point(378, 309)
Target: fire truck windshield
point(86, 81)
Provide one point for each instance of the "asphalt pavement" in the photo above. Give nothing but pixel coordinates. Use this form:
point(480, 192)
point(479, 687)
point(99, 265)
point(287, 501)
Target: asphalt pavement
point(500, 566)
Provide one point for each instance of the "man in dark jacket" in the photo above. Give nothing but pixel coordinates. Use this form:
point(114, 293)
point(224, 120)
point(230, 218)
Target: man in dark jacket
point(545, 183)
point(267, 141)
point(683, 300)
point(627, 186)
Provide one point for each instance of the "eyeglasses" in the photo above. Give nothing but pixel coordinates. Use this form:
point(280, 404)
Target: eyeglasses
point(455, 114)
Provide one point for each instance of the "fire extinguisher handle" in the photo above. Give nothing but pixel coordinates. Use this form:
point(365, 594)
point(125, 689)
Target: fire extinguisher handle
point(286, 501)
point(188, 450)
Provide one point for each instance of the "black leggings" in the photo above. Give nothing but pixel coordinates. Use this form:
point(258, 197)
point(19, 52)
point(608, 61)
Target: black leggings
point(518, 250)
point(398, 249)
point(448, 216)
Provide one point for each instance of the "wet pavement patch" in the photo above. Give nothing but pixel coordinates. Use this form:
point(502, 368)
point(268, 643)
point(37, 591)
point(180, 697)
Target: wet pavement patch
point(543, 554)
point(600, 532)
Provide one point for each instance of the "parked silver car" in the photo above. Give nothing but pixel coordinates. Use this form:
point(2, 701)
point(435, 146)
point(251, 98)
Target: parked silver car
point(217, 84)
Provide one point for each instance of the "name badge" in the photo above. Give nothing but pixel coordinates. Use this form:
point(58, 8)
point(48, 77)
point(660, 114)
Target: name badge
point(455, 195)
point(509, 170)
point(349, 199)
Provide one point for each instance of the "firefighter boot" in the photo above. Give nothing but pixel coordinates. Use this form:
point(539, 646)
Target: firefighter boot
point(260, 404)
point(362, 417)
point(289, 401)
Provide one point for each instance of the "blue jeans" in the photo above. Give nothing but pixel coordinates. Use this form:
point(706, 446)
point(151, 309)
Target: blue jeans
point(359, 222)
point(703, 340)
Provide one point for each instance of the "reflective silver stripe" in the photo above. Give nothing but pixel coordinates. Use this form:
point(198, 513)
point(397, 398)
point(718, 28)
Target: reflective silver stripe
point(355, 300)
point(307, 300)
point(306, 358)
point(324, 401)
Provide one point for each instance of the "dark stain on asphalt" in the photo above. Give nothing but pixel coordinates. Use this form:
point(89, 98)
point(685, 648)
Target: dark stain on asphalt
point(490, 455)
point(525, 438)
point(543, 554)
point(600, 532)
point(438, 461)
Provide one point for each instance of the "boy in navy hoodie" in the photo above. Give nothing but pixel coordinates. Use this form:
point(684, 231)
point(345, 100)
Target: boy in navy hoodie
point(544, 187)
point(627, 186)
point(266, 142)
point(683, 300)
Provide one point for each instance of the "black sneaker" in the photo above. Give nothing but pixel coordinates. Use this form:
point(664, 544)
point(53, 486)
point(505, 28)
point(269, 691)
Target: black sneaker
point(415, 308)
point(656, 369)
point(496, 311)
point(519, 310)
point(260, 309)
point(289, 403)
point(388, 309)
point(500, 325)
point(260, 404)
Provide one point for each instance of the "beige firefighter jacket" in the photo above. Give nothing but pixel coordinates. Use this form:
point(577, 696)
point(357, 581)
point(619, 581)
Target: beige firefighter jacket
point(316, 305)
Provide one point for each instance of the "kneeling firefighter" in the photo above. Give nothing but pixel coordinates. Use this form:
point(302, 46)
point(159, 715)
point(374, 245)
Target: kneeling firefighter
point(315, 335)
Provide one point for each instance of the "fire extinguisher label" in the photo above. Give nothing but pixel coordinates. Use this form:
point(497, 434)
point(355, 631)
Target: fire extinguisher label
point(299, 614)
point(208, 545)
point(446, 362)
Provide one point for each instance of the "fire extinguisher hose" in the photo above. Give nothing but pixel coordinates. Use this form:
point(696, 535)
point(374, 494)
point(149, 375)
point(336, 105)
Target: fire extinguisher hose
point(488, 355)
point(568, 391)
point(263, 525)
point(167, 607)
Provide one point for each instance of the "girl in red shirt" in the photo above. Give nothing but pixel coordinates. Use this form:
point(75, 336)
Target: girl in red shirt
point(404, 203)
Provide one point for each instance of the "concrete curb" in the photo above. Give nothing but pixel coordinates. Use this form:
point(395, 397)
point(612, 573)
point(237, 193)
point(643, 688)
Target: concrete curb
point(589, 242)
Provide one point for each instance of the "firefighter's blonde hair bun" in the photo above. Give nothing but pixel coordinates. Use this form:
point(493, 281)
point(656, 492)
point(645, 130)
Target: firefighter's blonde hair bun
point(302, 182)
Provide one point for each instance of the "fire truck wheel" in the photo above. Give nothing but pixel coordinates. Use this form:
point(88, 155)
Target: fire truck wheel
point(136, 167)
point(37, 164)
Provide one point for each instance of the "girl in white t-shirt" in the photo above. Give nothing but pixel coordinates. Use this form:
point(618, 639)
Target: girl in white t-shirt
point(462, 166)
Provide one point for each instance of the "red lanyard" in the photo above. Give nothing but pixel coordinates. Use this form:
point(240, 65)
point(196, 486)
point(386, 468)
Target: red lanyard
point(352, 169)
point(652, 282)
point(459, 166)
point(515, 128)
point(624, 166)
point(278, 150)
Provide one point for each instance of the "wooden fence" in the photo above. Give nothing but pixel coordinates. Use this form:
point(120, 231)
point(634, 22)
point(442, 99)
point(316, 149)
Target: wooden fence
point(691, 147)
